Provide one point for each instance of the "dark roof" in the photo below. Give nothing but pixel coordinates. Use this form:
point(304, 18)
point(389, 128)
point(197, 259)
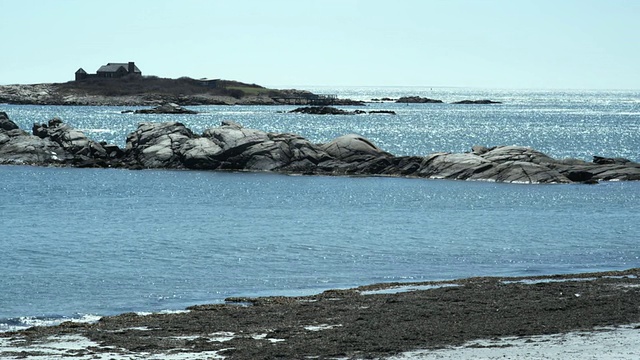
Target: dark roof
point(113, 67)
point(81, 71)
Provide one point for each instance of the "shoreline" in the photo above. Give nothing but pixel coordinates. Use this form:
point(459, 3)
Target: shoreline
point(153, 91)
point(379, 320)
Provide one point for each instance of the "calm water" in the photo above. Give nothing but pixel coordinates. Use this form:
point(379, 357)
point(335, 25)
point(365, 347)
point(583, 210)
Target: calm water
point(82, 242)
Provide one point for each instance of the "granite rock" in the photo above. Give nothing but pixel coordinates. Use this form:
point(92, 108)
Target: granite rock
point(230, 146)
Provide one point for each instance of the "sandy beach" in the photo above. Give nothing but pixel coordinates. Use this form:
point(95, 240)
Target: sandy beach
point(587, 316)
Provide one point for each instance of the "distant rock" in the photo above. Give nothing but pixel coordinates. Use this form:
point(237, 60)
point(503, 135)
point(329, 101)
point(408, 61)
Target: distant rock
point(418, 100)
point(168, 108)
point(481, 102)
point(328, 110)
point(384, 99)
point(325, 110)
point(389, 112)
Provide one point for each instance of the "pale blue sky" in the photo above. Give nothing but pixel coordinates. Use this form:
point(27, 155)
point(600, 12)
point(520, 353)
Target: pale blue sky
point(546, 44)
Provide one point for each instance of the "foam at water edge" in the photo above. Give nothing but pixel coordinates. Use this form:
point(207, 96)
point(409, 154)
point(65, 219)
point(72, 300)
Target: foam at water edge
point(26, 322)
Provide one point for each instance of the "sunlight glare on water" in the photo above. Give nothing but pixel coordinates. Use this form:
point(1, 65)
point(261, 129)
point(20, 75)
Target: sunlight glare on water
point(106, 241)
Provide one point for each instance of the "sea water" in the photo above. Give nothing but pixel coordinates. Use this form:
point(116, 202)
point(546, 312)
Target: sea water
point(80, 243)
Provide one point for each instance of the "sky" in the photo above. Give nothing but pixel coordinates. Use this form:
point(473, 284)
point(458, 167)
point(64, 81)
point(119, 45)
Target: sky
point(523, 44)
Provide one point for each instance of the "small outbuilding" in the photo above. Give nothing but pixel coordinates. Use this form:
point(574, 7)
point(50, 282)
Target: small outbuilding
point(81, 74)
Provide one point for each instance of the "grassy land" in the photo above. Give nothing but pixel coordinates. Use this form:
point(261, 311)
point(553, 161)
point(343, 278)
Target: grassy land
point(250, 90)
point(137, 85)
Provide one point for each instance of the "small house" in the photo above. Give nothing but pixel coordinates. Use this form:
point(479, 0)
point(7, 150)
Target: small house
point(111, 70)
point(116, 70)
point(210, 83)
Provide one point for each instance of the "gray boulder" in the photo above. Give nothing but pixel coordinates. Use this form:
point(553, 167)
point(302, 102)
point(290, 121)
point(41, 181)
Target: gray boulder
point(256, 150)
point(521, 172)
point(71, 140)
point(157, 145)
point(235, 139)
point(608, 161)
point(591, 172)
point(19, 147)
point(453, 166)
point(200, 153)
point(228, 147)
point(501, 154)
point(627, 172)
point(5, 123)
point(352, 147)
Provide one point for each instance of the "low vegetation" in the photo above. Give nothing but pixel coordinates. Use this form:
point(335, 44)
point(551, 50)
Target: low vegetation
point(137, 85)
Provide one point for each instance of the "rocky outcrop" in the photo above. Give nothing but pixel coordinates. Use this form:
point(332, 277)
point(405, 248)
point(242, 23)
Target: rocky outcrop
point(388, 112)
point(608, 161)
point(325, 110)
point(329, 110)
point(54, 143)
point(168, 108)
point(172, 145)
point(77, 148)
point(228, 147)
point(352, 147)
point(19, 147)
point(152, 91)
point(477, 102)
point(418, 100)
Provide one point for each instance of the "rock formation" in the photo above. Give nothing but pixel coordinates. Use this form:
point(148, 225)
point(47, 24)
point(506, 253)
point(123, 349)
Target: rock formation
point(171, 145)
point(418, 100)
point(388, 112)
point(168, 108)
point(152, 90)
point(324, 110)
point(480, 102)
point(329, 110)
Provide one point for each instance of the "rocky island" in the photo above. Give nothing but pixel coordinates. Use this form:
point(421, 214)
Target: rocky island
point(136, 90)
point(168, 108)
point(418, 100)
point(424, 100)
point(477, 102)
point(231, 147)
point(330, 110)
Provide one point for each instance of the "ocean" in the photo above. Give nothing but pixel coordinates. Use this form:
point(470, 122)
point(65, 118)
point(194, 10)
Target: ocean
point(78, 244)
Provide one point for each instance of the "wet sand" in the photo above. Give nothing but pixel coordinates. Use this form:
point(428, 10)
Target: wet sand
point(417, 320)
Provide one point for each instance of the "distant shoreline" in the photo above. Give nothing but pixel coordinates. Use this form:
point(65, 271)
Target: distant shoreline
point(378, 320)
point(151, 90)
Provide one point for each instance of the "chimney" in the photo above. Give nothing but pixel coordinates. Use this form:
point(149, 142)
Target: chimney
point(132, 67)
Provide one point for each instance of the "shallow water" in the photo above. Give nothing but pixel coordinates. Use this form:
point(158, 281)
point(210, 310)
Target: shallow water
point(105, 241)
